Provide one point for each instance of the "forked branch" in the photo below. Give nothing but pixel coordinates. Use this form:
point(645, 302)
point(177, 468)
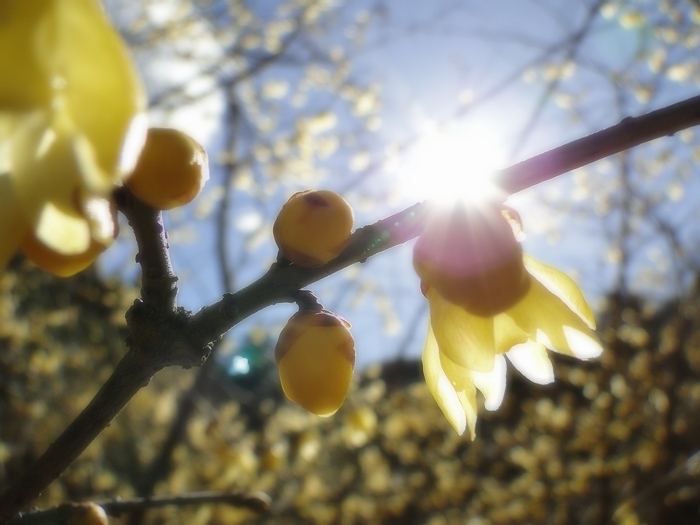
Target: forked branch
point(164, 335)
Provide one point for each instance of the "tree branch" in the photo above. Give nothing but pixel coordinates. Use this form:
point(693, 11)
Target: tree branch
point(163, 335)
point(630, 132)
point(255, 501)
point(158, 338)
point(212, 322)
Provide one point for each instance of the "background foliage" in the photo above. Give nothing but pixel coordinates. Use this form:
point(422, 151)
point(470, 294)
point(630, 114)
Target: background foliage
point(290, 95)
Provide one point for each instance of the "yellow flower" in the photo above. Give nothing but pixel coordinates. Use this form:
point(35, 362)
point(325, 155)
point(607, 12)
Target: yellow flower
point(486, 299)
point(463, 351)
point(72, 122)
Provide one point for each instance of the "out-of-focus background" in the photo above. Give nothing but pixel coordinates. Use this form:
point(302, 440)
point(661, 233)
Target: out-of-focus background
point(388, 103)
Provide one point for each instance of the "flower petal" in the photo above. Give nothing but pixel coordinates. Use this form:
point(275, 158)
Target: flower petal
point(562, 286)
point(584, 345)
point(463, 383)
point(492, 384)
point(43, 167)
point(440, 386)
point(551, 322)
point(72, 117)
point(507, 333)
point(532, 361)
point(26, 86)
point(101, 218)
point(62, 232)
point(69, 58)
point(103, 76)
point(466, 339)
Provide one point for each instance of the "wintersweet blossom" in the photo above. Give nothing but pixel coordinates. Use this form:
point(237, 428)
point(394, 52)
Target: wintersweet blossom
point(464, 352)
point(72, 123)
point(465, 347)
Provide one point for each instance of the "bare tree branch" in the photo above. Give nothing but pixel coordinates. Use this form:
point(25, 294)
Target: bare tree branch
point(163, 335)
point(255, 501)
point(630, 132)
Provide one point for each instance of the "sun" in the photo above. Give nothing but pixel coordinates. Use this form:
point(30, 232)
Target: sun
point(445, 167)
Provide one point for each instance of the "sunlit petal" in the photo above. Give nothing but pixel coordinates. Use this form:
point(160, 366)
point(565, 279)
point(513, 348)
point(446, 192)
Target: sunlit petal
point(507, 333)
point(532, 361)
point(562, 286)
point(43, 165)
point(549, 321)
point(100, 217)
point(72, 118)
point(466, 339)
point(463, 383)
point(440, 386)
point(68, 58)
point(492, 384)
point(584, 345)
point(61, 232)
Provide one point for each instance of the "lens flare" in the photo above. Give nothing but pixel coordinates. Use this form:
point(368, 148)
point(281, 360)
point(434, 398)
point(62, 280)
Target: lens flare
point(447, 167)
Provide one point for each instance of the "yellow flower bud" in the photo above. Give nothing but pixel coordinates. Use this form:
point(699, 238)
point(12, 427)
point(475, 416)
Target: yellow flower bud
point(171, 170)
point(315, 356)
point(313, 227)
point(472, 258)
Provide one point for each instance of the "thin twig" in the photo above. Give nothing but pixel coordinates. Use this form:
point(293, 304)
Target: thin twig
point(573, 47)
point(256, 501)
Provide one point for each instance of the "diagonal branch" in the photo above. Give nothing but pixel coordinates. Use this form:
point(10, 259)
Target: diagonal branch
point(630, 132)
point(163, 335)
point(275, 286)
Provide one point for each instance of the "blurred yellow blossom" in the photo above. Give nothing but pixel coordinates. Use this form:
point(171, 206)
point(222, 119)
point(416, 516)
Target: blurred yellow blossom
point(72, 122)
point(465, 343)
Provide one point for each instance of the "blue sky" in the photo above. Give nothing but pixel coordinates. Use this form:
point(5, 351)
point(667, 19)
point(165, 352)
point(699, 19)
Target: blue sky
point(429, 58)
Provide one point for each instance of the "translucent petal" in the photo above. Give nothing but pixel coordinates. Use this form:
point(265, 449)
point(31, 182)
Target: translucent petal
point(532, 361)
point(507, 333)
point(549, 321)
point(101, 74)
point(440, 386)
point(562, 286)
point(26, 85)
point(492, 384)
point(582, 344)
point(101, 219)
point(463, 383)
point(466, 339)
point(71, 116)
point(43, 165)
point(67, 56)
point(468, 400)
point(61, 232)
point(9, 122)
